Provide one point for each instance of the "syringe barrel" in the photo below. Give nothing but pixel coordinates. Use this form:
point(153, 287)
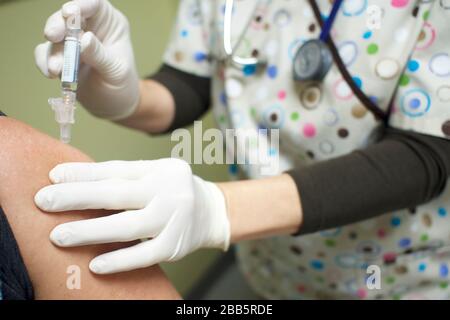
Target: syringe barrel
point(69, 75)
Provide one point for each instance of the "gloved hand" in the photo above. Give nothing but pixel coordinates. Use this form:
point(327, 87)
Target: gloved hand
point(178, 211)
point(108, 80)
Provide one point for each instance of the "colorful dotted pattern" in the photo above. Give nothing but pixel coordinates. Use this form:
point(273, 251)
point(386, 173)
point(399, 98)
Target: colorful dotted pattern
point(325, 120)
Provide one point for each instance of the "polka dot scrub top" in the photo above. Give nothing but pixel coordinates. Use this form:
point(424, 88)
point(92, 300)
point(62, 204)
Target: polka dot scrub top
point(398, 54)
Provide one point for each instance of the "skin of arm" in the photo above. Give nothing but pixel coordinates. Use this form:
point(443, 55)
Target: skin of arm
point(262, 208)
point(26, 157)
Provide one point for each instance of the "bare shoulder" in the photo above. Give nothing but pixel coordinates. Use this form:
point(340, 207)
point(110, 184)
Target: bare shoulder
point(26, 157)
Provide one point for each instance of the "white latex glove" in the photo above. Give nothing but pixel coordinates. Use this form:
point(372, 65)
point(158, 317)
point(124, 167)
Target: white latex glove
point(108, 80)
point(178, 211)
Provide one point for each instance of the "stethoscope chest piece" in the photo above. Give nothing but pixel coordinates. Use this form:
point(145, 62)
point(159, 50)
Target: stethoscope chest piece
point(312, 61)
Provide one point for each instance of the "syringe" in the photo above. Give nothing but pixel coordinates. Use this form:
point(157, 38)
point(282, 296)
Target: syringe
point(64, 107)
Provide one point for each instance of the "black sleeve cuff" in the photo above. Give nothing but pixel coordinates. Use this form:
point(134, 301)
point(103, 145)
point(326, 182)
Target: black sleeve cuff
point(403, 170)
point(191, 93)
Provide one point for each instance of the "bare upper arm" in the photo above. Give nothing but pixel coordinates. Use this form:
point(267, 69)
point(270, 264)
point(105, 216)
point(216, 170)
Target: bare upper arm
point(26, 157)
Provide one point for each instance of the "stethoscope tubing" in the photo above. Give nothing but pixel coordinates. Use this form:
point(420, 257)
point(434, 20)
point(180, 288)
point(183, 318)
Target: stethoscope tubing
point(365, 100)
point(328, 25)
point(227, 45)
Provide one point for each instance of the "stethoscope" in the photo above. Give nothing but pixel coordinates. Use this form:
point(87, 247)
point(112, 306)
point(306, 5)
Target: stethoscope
point(312, 60)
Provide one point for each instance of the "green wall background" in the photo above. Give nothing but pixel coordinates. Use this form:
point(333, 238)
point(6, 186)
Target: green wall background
point(24, 93)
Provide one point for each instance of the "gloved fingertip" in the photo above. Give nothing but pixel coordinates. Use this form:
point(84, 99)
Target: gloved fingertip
point(86, 41)
point(70, 8)
point(61, 236)
point(55, 28)
point(57, 174)
point(98, 266)
point(93, 52)
point(55, 66)
point(40, 57)
point(42, 200)
point(89, 7)
point(54, 34)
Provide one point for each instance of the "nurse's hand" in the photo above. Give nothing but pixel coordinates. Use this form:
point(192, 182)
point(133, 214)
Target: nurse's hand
point(172, 211)
point(108, 81)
